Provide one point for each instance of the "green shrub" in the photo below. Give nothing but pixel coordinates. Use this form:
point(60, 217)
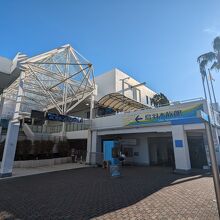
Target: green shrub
point(48, 148)
point(36, 149)
point(63, 148)
point(42, 149)
point(23, 150)
point(2, 149)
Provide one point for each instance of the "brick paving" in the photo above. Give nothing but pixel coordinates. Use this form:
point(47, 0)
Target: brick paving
point(89, 193)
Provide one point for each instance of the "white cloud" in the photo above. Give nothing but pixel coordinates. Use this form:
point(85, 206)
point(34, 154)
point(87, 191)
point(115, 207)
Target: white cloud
point(214, 30)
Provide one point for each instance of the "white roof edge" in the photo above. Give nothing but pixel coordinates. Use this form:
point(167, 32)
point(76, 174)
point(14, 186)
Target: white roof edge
point(5, 65)
point(117, 69)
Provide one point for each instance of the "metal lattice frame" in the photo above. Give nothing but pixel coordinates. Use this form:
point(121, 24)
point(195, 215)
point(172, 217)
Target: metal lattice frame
point(60, 79)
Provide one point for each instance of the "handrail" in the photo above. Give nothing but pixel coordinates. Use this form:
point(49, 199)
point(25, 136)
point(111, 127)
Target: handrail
point(50, 129)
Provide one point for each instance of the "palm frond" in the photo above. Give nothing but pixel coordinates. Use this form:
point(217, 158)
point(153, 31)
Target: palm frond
point(203, 63)
point(210, 56)
point(216, 66)
point(202, 67)
point(216, 44)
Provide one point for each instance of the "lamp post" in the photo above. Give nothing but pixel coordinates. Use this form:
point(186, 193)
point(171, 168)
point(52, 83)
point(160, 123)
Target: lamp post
point(211, 147)
point(213, 91)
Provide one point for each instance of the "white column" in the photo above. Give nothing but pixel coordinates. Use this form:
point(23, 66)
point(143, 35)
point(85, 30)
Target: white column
point(12, 134)
point(1, 108)
point(94, 147)
point(91, 155)
point(92, 113)
point(89, 147)
point(44, 127)
point(0, 132)
point(1, 104)
point(19, 96)
point(207, 149)
point(181, 149)
point(9, 150)
point(92, 144)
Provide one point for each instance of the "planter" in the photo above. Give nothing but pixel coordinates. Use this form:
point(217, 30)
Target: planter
point(41, 163)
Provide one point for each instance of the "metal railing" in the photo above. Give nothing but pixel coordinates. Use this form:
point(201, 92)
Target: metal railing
point(58, 128)
point(77, 126)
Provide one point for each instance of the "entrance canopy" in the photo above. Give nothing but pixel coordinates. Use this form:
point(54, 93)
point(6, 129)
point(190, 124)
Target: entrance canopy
point(120, 103)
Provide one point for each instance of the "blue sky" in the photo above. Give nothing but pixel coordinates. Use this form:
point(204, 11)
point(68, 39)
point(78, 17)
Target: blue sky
point(155, 41)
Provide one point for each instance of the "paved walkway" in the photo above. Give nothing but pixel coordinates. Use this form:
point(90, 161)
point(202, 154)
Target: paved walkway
point(90, 193)
point(20, 172)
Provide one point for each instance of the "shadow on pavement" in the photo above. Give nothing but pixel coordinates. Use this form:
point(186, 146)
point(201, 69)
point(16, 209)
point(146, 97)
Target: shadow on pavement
point(82, 193)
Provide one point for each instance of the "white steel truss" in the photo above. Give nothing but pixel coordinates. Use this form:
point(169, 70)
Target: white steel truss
point(59, 79)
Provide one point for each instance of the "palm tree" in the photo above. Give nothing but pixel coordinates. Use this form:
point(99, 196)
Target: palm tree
point(204, 60)
point(160, 100)
point(213, 56)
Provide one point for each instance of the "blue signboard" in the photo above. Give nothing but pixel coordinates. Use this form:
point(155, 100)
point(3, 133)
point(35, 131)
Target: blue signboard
point(55, 117)
point(185, 115)
point(63, 118)
point(178, 143)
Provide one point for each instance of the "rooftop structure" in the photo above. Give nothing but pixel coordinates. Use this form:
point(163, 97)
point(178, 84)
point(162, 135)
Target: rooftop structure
point(59, 79)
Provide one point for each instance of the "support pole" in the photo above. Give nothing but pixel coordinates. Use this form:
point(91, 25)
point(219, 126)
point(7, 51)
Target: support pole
point(211, 146)
point(214, 164)
point(92, 113)
point(1, 104)
point(9, 149)
point(63, 132)
point(214, 129)
point(213, 91)
point(89, 138)
point(12, 134)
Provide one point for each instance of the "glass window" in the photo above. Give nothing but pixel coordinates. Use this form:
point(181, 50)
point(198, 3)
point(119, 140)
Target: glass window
point(147, 99)
point(137, 94)
point(87, 114)
point(151, 102)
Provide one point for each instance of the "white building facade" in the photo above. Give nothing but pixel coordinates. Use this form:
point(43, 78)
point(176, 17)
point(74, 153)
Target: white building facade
point(172, 135)
point(156, 136)
point(120, 82)
point(112, 106)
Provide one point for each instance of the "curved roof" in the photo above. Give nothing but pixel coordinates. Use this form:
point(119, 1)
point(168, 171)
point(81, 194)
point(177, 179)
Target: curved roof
point(119, 102)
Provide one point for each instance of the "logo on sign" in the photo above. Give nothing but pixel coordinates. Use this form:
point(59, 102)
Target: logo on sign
point(147, 118)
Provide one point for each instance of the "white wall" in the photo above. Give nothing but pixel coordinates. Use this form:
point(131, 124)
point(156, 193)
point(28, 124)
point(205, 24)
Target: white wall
point(82, 134)
point(182, 158)
point(5, 65)
point(145, 91)
point(105, 84)
point(110, 82)
point(141, 147)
